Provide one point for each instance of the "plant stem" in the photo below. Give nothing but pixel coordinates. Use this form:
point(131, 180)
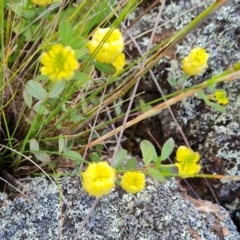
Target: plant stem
point(162, 50)
point(157, 109)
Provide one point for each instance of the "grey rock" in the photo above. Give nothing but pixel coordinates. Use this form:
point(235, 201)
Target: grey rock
point(213, 134)
point(162, 212)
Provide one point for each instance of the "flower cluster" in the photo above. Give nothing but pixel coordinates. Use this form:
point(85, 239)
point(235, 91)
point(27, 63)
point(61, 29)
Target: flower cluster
point(187, 161)
point(99, 179)
point(221, 97)
point(107, 46)
point(196, 62)
point(44, 2)
point(133, 182)
point(59, 63)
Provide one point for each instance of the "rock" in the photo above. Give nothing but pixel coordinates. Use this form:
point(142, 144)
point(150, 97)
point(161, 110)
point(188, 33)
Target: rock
point(213, 134)
point(165, 212)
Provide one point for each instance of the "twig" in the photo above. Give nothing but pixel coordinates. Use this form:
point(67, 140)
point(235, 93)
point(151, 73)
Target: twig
point(86, 219)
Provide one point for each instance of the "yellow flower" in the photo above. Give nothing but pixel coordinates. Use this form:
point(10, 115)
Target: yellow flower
point(110, 48)
point(59, 63)
point(133, 182)
point(99, 179)
point(196, 62)
point(187, 161)
point(119, 63)
point(44, 2)
point(221, 97)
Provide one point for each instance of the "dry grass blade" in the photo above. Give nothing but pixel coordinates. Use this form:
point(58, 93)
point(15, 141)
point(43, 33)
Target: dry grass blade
point(160, 107)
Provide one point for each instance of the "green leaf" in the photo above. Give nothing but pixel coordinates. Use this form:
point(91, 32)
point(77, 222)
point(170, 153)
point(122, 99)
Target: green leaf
point(77, 42)
point(99, 150)
point(36, 90)
point(61, 144)
point(217, 107)
point(29, 33)
point(94, 157)
point(40, 109)
point(131, 163)
point(73, 155)
point(181, 80)
point(65, 32)
point(168, 170)
point(40, 78)
point(33, 144)
point(118, 110)
point(148, 152)
point(120, 157)
point(81, 53)
point(99, 147)
point(42, 156)
point(167, 149)
point(56, 89)
point(105, 68)
point(156, 174)
point(172, 81)
point(66, 14)
point(158, 162)
point(143, 106)
point(29, 14)
point(27, 98)
point(17, 8)
point(118, 106)
point(74, 116)
point(82, 78)
point(34, 148)
point(201, 94)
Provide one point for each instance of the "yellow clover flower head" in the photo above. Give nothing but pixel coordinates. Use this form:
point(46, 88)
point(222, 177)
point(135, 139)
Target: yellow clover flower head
point(133, 182)
point(44, 2)
point(196, 62)
point(187, 161)
point(111, 47)
point(99, 179)
point(59, 63)
point(119, 63)
point(221, 97)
